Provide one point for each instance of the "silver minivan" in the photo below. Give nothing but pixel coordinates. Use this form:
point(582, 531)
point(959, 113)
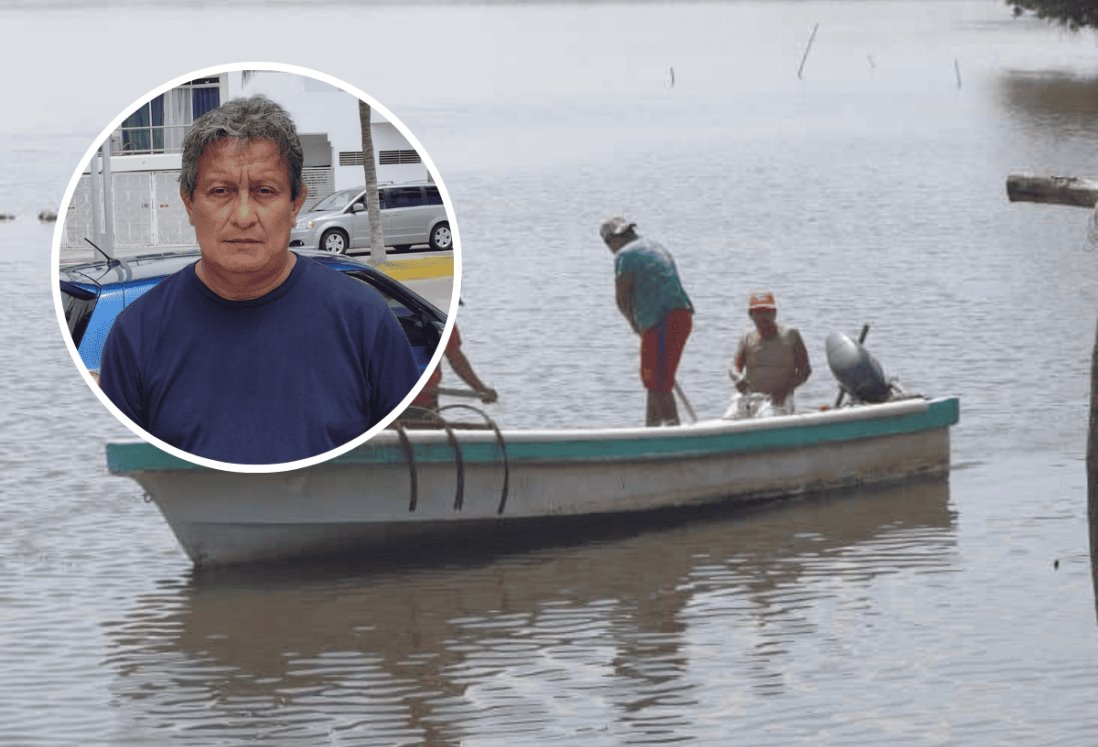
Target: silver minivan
point(411, 213)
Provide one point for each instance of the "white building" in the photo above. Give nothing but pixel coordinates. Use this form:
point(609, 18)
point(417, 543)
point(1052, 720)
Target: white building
point(145, 154)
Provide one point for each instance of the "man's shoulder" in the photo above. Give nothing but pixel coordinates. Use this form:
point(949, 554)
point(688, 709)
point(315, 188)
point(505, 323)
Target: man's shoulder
point(641, 252)
point(644, 245)
point(152, 302)
point(317, 274)
point(327, 286)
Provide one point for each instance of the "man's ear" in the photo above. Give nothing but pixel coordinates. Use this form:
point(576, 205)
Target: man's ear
point(187, 203)
point(301, 195)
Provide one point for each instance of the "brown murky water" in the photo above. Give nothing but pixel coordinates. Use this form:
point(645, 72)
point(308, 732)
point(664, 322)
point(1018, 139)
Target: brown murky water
point(943, 612)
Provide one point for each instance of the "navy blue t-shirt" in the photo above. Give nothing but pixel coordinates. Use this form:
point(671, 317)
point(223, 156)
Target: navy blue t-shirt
point(303, 369)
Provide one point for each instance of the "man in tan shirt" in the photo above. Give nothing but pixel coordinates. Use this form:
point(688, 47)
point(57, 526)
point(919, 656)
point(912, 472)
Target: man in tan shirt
point(770, 359)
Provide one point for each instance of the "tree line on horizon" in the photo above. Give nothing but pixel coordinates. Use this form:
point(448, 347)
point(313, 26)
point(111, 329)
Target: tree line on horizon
point(1074, 14)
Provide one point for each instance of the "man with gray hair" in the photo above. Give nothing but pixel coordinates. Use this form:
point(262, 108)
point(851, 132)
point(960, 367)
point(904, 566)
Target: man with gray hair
point(650, 296)
point(254, 354)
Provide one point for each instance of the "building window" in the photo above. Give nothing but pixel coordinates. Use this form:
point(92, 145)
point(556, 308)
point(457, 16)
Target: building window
point(384, 157)
point(395, 157)
point(160, 125)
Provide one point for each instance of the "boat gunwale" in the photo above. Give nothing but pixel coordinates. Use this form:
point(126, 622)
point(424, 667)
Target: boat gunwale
point(699, 440)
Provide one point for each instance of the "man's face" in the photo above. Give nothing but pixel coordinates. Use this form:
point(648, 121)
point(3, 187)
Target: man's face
point(765, 321)
point(242, 211)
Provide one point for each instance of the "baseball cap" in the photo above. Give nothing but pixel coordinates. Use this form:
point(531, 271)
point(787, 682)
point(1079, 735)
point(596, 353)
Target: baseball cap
point(615, 226)
point(762, 300)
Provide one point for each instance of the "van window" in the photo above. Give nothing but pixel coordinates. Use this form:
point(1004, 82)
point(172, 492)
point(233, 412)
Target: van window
point(335, 201)
point(400, 197)
point(433, 196)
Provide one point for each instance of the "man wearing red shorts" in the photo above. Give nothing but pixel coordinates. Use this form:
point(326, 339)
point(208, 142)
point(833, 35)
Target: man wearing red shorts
point(650, 296)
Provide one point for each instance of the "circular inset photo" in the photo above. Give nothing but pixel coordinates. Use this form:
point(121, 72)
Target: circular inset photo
point(256, 269)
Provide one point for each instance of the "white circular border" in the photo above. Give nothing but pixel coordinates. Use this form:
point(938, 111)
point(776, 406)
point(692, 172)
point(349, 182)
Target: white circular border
point(59, 230)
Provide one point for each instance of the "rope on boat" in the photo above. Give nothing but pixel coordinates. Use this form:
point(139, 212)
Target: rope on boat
point(409, 452)
point(502, 450)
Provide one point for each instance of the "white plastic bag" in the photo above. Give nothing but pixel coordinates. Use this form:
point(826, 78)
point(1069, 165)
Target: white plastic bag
point(751, 405)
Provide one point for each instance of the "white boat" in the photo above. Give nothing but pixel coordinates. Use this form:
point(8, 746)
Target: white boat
point(407, 489)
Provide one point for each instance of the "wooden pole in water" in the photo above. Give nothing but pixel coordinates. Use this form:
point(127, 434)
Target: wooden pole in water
point(807, 47)
point(1068, 190)
point(1092, 471)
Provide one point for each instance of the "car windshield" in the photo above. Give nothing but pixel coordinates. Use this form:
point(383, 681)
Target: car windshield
point(336, 200)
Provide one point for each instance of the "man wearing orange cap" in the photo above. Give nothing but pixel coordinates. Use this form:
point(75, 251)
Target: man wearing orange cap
point(770, 359)
point(650, 296)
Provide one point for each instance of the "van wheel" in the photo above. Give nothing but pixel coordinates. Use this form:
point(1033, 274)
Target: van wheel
point(334, 240)
point(441, 238)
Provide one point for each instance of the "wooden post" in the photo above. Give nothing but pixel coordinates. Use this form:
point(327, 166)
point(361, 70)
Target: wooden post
point(1052, 190)
point(1070, 190)
point(811, 38)
point(1092, 471)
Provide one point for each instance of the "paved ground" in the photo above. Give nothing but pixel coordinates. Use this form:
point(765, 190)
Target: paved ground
point(435, 290)
point(430, 274)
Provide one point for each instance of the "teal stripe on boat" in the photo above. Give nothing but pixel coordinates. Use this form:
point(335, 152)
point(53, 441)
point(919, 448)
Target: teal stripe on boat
point(141, 457)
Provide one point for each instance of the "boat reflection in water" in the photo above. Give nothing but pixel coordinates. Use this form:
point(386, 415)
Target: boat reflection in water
point(615, 639)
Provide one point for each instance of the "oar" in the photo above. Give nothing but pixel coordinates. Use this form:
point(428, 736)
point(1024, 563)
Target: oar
point(686, 403)
point(861, 339)
point(452, 392)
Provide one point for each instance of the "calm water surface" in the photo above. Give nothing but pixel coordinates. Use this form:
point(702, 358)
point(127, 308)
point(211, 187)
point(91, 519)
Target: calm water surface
point(871, 191)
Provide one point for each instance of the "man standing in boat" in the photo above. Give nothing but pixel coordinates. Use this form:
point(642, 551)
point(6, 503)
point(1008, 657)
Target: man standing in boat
point(770, 359)
point(254, 354)
point(650, 296)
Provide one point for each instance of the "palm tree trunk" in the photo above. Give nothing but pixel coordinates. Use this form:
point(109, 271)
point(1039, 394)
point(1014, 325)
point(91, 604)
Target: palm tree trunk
point(369, 166)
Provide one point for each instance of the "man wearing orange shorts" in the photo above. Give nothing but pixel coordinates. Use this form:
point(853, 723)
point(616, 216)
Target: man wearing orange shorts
point(650, 296)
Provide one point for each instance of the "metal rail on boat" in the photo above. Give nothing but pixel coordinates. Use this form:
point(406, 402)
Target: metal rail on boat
point(459, 462)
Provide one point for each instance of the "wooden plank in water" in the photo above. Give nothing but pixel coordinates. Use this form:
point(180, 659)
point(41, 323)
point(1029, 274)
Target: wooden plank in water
point(1052, 190)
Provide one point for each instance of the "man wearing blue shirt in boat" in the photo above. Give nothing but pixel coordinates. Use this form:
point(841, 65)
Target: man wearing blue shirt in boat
point(650, 296)
point(770, 360)
point(253, 354)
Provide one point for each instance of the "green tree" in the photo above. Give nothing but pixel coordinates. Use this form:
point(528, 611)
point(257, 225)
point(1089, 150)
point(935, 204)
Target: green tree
point(1074, 14)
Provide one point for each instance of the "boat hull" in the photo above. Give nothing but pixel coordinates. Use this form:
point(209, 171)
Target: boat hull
point(403, 493)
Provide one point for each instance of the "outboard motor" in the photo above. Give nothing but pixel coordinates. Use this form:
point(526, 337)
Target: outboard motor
point(858, 372)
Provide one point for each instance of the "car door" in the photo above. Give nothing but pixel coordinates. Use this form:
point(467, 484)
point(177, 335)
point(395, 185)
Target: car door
point(360, 222)
point(402, 224)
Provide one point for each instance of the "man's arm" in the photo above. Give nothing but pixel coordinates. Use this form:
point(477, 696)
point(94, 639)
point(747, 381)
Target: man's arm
point(739, 361)
point(802, 369)
point(391, 366)
point(119, 376)
point(463, 368)
point(623, 294)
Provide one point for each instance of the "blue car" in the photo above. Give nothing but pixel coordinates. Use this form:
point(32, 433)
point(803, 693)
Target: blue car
point(93, 293)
